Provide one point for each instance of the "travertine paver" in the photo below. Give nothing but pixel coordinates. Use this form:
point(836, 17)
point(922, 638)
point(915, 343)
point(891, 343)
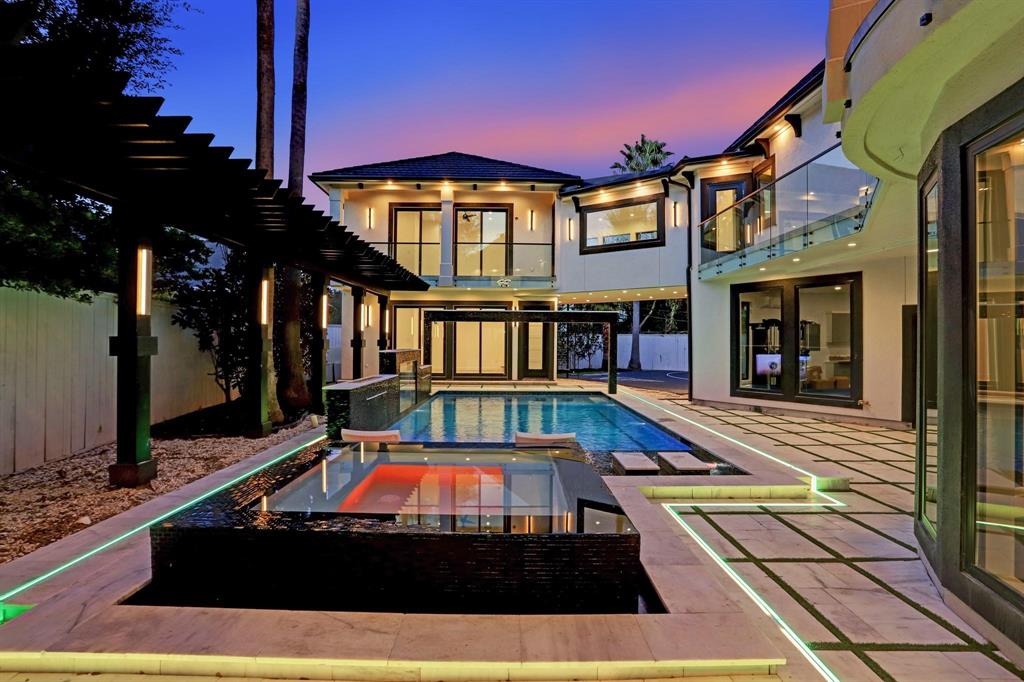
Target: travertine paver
point(860, 596)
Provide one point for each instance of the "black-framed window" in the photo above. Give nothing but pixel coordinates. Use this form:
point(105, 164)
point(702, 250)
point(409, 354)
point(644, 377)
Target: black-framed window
point(481, 240)
point(626, 224)
point(995, 214)
point(716, 195)
point(798, 340)
point(414, 236)
point(927, 415)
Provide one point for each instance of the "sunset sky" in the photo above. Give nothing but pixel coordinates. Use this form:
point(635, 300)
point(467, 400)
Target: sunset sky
point(554, 83)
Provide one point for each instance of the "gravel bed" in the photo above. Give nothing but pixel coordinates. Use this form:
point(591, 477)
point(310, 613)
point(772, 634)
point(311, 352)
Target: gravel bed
point(44, 504)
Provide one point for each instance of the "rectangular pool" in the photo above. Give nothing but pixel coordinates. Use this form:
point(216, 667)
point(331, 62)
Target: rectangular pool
point(600, 423)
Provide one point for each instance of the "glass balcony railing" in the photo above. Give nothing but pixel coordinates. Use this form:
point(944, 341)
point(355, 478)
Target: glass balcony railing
point(825, 199)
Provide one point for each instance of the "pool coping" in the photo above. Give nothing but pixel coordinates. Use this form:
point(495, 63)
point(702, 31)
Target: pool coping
point(77, 625)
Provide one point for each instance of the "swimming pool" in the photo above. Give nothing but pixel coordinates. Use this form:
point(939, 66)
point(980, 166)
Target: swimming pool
point(600, 423)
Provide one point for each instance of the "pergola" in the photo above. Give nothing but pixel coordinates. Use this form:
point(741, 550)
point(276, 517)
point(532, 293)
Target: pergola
point(88, 135)
point(608, 318)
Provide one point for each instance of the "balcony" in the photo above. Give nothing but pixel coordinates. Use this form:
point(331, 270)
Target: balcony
point(825, 199)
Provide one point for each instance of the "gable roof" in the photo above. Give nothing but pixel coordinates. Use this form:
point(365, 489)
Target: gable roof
point(804, 87)
point(448, 166)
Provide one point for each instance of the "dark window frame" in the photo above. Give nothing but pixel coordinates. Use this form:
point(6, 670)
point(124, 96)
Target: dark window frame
point(790, 315)
point(741, 182)
point(657, 199)
point(508, 209)
point(410, 206)
point(921, 402)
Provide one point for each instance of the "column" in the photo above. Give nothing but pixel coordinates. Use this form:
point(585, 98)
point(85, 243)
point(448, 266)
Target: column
point(319, 343)
point(337, 204)
point(384, 323)
point(260, 284)
point(612, 356)
point(133, 346)
point(358, 319)
point(445, 278)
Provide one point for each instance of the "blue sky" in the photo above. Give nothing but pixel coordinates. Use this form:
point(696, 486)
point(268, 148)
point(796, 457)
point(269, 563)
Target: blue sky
point(555, 83)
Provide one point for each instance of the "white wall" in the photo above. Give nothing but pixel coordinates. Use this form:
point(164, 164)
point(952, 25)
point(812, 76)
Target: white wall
point(58, 380)
point(668, 352)
point(656, 266)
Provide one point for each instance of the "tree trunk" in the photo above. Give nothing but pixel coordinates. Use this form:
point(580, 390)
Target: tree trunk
point(292, 387)
point(265, 87)
point(634, 346)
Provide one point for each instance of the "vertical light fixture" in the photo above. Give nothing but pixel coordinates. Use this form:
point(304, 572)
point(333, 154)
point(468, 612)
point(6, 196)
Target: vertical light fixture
point(323, 311)
point(387, 323)
point(144, 280)
point(531, 220)
point(369, 218)
point(675, 214)
point(264, 300)
point(570, 229)
point(369, 316)
point(362, 317)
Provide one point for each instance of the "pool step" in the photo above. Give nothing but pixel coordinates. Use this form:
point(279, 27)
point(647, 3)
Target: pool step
point(682, 463)
point(634, 464)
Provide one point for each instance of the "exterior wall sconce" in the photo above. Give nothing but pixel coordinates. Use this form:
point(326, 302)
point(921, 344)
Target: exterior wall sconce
point(144, 280)
point(531, 220)
point(387, 324)
point(369, 218)
point(323, 311)
point(569, 225)
point(264, 300)
point(362, 317)
point(675, 214)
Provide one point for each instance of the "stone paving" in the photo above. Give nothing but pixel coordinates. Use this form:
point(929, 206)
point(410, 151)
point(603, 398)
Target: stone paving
point(847, 579)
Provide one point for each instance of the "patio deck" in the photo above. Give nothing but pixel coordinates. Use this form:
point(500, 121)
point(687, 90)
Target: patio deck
point(846, 580)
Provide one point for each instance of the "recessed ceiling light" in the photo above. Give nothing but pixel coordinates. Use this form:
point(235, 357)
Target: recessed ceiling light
point(852, 244)
point(762, 269)
point(796, 260)
point(624, 290)
point(663, 288)
point(838, 288)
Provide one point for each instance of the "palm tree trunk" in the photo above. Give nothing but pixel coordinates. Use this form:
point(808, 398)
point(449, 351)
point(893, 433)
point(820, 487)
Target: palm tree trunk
point(265, 88)
point(292, 383)
point(634, 346)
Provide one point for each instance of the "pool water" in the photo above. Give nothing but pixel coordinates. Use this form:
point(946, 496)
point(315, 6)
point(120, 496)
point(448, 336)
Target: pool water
point(600, 423)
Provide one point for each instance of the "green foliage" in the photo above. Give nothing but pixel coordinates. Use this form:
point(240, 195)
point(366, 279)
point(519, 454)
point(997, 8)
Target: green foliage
point(642, 155)
point(215, 307)
point(578, 342)
point(104, 36)
point(65, 245)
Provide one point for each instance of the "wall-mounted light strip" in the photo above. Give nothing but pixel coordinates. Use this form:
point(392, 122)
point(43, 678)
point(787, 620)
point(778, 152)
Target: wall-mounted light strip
point(369, 218)
point(675, 214)
point(144, 279)
point(532, 226)
point(570, 229)
point(362, 317)
point(264, 300)
point(323, 311)
point(166, 515)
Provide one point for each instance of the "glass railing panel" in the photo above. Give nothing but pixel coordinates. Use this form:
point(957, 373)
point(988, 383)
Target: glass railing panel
point(531, 260)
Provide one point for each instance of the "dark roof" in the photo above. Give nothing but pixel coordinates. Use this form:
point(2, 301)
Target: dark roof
point(808, 84)
point(447, 166)
point(603, 181)
point(84, 132)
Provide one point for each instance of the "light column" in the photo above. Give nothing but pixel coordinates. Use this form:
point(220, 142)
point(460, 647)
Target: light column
point(260, 283)
point(319, 343)
point(446, 278)
point(133, 347)
point(358, 324)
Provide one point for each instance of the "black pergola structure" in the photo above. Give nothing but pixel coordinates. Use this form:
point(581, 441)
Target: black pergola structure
point(86, 134)
point(606, 317)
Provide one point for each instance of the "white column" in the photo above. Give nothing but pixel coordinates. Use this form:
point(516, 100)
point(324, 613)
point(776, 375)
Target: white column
point(335, 197)
point(447, 237)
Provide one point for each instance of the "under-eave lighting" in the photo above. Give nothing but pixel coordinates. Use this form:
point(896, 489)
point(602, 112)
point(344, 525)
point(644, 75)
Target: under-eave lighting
point(144, 280)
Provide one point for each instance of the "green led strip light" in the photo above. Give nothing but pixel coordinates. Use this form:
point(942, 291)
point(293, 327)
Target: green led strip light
point(751, 448)
point(1009, 526)
point(790, 634)
point(113, 541)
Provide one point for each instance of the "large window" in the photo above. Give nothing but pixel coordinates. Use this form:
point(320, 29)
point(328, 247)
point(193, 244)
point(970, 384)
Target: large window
point(416, 238)
point(630, 223)
point(798, 340)
point(481, 241)
point(997, 209)
point(481, 348)
point(928, 377)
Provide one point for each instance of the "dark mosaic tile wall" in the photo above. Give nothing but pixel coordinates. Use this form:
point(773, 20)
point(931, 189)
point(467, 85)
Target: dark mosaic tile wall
point(372, 406)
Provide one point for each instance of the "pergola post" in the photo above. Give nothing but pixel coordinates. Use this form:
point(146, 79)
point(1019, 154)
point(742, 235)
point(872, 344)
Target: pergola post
point(428, 341)
point(319, 344)
point(358, 319)
point(133, 346)
point(384, 335)
point(612, 358)
point(261, 348)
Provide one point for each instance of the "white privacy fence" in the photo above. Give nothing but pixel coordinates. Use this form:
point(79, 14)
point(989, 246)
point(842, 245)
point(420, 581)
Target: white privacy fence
point(58, 381)
point(657, 351)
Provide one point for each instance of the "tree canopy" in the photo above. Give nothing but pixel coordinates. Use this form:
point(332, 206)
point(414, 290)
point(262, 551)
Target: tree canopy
point(642, 155)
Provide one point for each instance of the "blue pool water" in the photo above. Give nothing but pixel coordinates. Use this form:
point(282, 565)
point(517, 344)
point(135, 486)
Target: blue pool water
point(600, 424)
